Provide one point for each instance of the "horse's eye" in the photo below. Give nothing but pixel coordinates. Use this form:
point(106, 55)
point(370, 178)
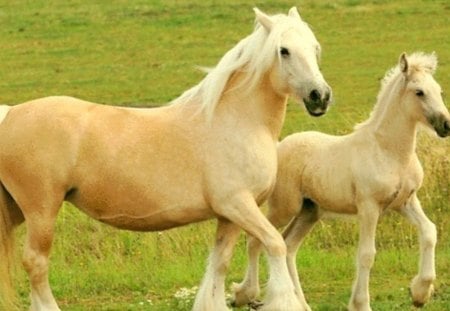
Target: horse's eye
point(419, 93)
point(284, 52)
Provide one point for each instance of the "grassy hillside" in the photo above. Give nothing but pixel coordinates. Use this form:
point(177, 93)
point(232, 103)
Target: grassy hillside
point(144, 53)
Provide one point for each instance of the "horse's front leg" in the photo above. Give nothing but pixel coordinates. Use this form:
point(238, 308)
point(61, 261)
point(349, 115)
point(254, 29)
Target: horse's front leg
point(248, 290)
point(368, 215)
point(211, 294)
point(243, 211)
point(422, 284)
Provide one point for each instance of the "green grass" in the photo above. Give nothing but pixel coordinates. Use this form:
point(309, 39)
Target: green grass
point(141, 53)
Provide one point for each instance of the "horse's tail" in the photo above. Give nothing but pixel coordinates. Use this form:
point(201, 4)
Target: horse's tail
point(8, 297)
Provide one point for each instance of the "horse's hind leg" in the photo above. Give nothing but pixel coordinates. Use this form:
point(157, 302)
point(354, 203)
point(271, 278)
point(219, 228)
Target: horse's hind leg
point(422, 284)
point(40, 227)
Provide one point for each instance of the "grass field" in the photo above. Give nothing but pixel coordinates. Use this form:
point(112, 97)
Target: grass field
point(142, 53)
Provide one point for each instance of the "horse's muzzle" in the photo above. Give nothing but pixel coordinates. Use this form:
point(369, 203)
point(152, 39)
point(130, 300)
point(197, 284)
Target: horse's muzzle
point(318, 101)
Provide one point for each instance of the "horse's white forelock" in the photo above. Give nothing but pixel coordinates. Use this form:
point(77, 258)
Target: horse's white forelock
point(253, 55)
point(417, 62)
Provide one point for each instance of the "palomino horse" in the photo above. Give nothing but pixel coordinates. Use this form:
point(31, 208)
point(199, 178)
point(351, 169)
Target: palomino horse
point(211, 153)
point(364, 173)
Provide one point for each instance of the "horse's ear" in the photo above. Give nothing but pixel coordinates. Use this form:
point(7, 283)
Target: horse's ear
point(263, 19)
point(293, 12)
point(403, 63)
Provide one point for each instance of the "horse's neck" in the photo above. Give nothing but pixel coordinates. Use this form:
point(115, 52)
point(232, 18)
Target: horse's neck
point(258, 105)
point(394, 131)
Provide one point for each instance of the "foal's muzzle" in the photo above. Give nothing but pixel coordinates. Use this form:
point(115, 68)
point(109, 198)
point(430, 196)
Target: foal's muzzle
point(318, 101)
point(445, 130)
point(441, 125)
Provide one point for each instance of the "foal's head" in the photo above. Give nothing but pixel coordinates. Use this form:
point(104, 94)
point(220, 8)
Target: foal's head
point(423, 95)
point(297, 71)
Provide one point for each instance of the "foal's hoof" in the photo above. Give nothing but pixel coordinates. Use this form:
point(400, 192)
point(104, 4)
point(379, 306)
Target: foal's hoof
point(255, 305)
point(421, 291)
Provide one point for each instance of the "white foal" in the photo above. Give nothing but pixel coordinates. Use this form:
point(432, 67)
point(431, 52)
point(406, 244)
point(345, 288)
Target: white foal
point(364, 173)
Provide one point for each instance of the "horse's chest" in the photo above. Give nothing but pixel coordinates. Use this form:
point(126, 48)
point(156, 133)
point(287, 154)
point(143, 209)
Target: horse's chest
point(249, 164)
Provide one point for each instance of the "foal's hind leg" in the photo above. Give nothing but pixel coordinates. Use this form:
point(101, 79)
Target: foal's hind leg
point(40, 226)
point(422, 284)
point(294, 235)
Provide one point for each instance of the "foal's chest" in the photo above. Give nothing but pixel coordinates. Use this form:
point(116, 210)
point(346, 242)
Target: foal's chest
point(400, 192)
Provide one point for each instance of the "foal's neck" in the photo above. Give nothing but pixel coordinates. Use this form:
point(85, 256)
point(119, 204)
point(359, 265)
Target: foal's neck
point(395, 131)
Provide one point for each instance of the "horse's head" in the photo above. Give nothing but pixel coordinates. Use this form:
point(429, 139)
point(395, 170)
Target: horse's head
point(297, 71)
point(423, 94)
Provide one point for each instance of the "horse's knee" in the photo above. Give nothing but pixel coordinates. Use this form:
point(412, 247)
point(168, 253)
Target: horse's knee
point(276, 246)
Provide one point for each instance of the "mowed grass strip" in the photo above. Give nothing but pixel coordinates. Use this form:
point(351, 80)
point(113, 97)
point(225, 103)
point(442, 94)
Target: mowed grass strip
point(144, 53)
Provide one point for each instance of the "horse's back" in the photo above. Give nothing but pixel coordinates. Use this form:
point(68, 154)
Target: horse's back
point(59, 148)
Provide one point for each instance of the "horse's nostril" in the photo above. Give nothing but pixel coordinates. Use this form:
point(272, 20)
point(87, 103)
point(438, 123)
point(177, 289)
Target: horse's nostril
point(314, 95)
point(327, 96)
point(447, 125)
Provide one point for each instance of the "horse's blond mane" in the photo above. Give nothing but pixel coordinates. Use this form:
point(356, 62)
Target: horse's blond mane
point(253, 55)
point(417, 62)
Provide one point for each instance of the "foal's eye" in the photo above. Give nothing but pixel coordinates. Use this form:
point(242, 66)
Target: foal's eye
point(420, 93)
point(284, 52)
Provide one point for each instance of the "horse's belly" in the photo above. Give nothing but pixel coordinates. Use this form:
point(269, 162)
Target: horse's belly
point(142, 205)
point(159, 220)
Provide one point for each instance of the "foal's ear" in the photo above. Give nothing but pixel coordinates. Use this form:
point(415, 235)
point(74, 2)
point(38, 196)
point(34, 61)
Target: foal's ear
point(293, 12)
point(263, 19)
point(403, 63)
point(433, 62)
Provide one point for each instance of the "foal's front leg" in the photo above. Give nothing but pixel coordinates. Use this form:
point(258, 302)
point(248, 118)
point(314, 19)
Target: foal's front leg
point(422, 284)
point(368, 215)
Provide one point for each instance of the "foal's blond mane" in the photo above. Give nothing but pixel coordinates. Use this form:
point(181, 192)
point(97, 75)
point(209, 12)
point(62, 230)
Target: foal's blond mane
point(417, 62)
point(253, 55)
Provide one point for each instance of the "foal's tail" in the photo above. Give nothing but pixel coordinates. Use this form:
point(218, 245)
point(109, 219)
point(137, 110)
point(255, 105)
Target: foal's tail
point(8, 298)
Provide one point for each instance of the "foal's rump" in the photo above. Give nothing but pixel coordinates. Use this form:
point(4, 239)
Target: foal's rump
point(121, 166)
point(319, 166)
